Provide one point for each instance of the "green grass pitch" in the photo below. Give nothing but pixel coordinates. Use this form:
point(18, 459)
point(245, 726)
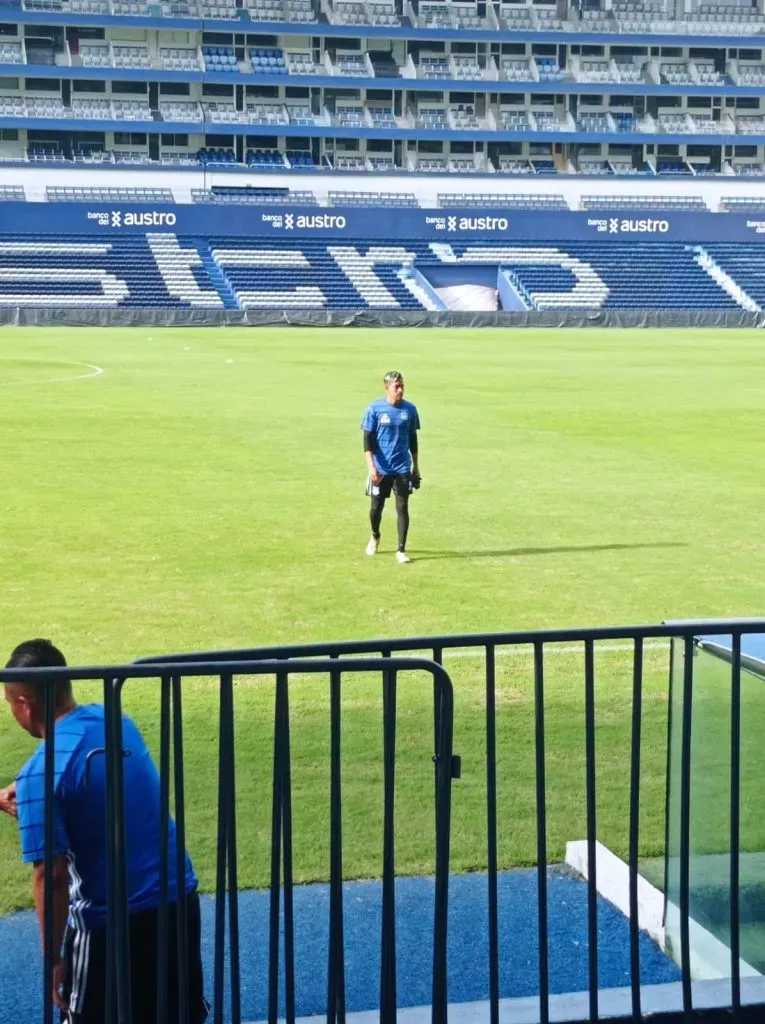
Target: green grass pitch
point(206, 491)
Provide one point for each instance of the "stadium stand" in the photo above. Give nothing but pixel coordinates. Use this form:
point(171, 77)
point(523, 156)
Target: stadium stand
point(139, 282)
point(751, 74)
point(210, 156)
point(96, 56)
point(46, 108)
point(64, 194)
point(175, 58)
point(43, 153)
point(737, 261)
point(131, 57)
point(515, 70)
point(520, 88)
point(300, 63)
point(220, 58)
point(350, 65)
point(91, 109)
point(372, 199)
point(673, 167)
point(298, 159)
point(262, 91)
point(641, 202)
point(268, 159)
point(12, 106)
point(597, 21)
point(743, 204)
point(165, 269)
point(268, 62)
point(180, 110)
point(752, 124)
point(516, 202)
point(256, 196)
point(595, 71)
point(12, 53)
point(131, 110)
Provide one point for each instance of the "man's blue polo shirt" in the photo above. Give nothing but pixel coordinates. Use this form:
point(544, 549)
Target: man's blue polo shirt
point(394, 427)
point(80, 816)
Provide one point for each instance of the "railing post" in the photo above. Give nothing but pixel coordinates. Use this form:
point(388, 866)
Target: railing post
point(592, 884)
point(181, 916)
point(444, 769)
point(289, 926)
point(735, 825)
point(539, 718)
point(491, 823)
point(118, 910)
point(276, 854)
point(388, 938)
point(336, 965)
point(637, 717)
point(226, 866)
point(163, 926)
point(49, 712)
point(685, 824)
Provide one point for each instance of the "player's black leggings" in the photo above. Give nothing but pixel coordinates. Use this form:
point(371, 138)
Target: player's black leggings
point(400, 484)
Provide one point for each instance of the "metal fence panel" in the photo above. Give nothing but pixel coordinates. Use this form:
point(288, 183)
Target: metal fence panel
point(172, 768)
point(387, 659)
point(540, 642)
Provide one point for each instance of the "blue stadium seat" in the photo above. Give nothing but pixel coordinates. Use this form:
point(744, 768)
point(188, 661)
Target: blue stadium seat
point(520, 201)
point(650, 202)
point(741, 263)
point(305, 272)
point(220, 58)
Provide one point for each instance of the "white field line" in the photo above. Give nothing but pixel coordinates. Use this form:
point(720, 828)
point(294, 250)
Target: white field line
point(95, 371)
point(525, 650)
point(511, 651)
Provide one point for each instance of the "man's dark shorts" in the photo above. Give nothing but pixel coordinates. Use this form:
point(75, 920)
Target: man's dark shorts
point(86, 958)
point(399, 483)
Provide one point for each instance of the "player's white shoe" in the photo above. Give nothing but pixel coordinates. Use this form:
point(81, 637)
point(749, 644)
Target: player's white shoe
point(403, 558)
point(372, 546)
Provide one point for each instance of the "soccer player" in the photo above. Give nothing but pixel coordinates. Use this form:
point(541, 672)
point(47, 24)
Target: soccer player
point(79, 854)
point(390, 428)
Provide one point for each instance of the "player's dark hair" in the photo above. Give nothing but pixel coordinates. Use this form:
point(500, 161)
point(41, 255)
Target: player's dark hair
point(36, 654)
point(41, 654)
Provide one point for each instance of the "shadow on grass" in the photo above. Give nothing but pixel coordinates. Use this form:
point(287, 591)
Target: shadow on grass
point(422, 556)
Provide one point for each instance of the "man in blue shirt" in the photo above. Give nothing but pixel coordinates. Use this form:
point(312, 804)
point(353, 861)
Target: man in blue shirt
point(390, 428)
point(79, 853)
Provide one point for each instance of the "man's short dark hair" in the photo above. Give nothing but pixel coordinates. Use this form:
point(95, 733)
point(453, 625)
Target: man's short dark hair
point(40, 654)
point(392, 375)
point(36, 654)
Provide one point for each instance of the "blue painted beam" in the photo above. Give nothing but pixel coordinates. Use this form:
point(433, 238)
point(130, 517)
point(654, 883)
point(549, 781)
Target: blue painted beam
point(346, 82)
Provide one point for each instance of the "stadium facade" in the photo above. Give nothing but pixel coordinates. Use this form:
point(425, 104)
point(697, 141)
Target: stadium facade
point(413, 130)
point(444, 86)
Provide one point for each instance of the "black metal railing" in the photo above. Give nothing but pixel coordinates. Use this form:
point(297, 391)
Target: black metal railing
point(172, 677)
point(540, 642)
point(388, 658)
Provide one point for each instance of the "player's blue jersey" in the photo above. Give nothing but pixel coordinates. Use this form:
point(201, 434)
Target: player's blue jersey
point(79, 816)
point(393, 427)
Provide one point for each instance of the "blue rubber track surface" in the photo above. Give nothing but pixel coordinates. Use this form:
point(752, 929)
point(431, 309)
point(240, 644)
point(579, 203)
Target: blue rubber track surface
point(21, 1000)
